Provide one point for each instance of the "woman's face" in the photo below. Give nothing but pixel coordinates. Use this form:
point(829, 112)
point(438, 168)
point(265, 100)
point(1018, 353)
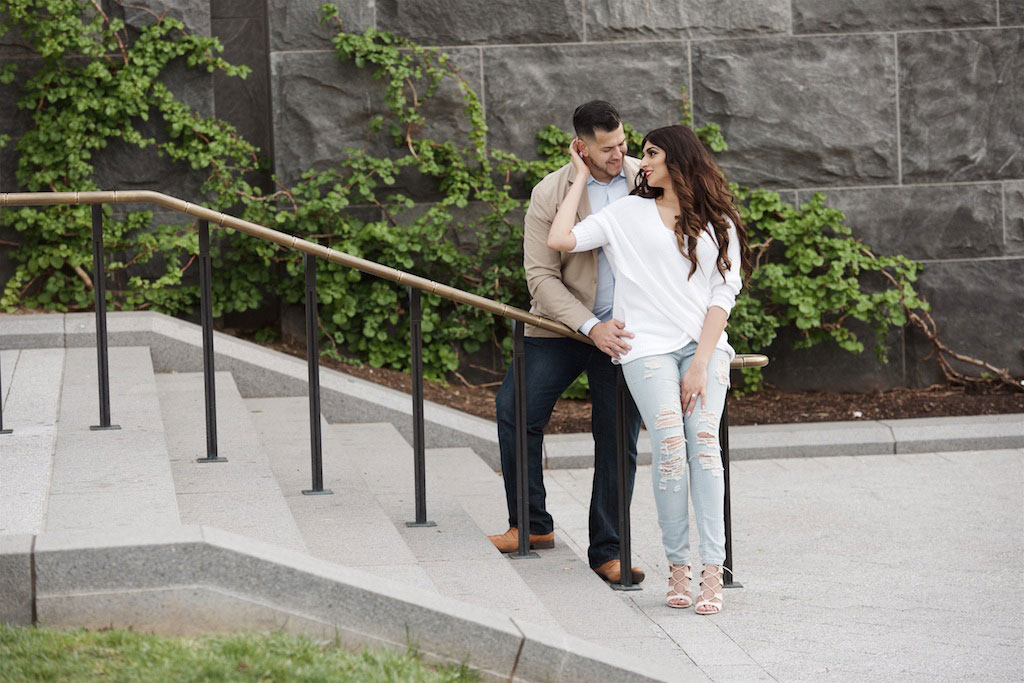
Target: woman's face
point(653, 166)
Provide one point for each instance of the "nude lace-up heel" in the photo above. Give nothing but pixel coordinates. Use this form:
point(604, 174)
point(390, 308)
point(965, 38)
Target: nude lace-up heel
point(678, 595)
point(711, 586)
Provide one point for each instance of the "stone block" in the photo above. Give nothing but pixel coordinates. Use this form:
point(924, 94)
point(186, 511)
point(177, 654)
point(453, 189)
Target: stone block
point(789, 114)
point(833, 16)
point(234, 9)
point(465, 224)
point(925, 222)
point(1013, 218)
point(444, 22)
point(976, 134)
point(290, 583)
point(809, 440)
point(1011, 12)
point(195, 13)
point(295, 24)
point(321, 106)
point(14, 43)
point(547, 654)
point(828, 367)
point(973, 433)
point(570, 451)
point(624, 20)
point(125, 166)
point(245, 103)
point(17, 599)
point(39, 331)
point(14, 122)
point(977, 308)
point(527, 88)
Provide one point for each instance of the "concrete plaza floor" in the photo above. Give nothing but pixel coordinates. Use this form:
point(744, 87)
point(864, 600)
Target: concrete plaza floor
point(863, 568)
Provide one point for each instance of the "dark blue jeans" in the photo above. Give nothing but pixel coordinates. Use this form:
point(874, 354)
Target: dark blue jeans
point(551, 366)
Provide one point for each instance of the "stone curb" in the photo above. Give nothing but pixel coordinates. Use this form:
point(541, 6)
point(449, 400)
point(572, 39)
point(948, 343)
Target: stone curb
point(176, 345)
point(196, 579)
point(868, 437)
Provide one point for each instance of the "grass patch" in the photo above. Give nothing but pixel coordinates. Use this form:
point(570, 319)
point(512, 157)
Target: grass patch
point(35, 654)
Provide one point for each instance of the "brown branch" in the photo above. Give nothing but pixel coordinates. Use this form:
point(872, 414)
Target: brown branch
point(491, 371)
point(117, 37)
point(471, 385)
point(83, 276)
point(8, 243)
point(387, 214)
point(924, 322)
point(27, 286)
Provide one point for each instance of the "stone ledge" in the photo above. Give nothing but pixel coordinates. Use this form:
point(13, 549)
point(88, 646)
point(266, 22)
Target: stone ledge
point(259, 372)
point(16, 590)
point(816, 439)
point(189, 580)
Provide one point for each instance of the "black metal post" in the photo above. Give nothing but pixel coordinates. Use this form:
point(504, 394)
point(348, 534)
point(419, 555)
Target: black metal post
point(522, 464)
point(622, 462)
point(99, 289)
point(418, 444)
point(2, 430)
point(313, 363)
point(728, 578)
point(206, 313)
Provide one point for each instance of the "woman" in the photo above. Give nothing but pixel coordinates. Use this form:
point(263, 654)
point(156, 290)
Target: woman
point(676, 247)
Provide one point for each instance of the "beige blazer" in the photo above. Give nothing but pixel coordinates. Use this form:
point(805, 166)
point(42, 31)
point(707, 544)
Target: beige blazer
point(562, 286)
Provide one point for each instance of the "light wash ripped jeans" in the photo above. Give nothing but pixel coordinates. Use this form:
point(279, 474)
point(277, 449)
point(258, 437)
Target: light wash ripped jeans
point(679, 444)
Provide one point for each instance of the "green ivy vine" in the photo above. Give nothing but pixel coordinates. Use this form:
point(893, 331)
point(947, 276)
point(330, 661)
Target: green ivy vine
point(96, 82)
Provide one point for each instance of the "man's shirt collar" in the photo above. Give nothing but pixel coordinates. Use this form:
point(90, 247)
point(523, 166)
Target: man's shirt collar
point(591, 180)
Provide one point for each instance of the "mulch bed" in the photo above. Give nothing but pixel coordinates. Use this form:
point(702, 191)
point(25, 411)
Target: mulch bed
point(766, 407)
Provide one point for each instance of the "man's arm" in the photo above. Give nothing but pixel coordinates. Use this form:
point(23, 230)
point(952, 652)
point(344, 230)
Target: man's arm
point(544, 265)
point(544, 279)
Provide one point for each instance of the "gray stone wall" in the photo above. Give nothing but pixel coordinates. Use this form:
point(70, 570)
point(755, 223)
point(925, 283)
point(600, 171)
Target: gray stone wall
point(907, 115)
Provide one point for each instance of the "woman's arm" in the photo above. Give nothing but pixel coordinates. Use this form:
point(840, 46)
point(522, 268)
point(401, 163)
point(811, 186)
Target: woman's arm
point(560, 238)
point(724, 289)
point(694, 382)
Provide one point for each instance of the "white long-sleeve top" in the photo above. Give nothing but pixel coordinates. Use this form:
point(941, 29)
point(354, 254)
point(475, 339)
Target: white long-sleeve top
point(653, 296)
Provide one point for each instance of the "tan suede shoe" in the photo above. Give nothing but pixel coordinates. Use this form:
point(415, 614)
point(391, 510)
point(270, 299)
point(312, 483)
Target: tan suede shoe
point(610, 572)
point(508, 542)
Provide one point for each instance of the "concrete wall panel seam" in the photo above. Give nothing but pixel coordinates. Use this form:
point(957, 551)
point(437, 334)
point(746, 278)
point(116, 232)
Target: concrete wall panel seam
point(902, 31)
point(974, 259)
point(583, 32)
point(483, 81)
point(301, 52)
point(880, 186)
point(689, 74)
point(899, 142)
point(1002, 196)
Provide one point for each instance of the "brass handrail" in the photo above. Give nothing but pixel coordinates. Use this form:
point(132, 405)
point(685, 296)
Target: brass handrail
point(293, 242)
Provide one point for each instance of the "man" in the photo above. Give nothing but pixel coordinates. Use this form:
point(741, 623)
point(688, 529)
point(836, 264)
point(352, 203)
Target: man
point(577, 290)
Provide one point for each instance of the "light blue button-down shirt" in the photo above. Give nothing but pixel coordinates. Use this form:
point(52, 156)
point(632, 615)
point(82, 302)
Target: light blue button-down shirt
point(601, 195)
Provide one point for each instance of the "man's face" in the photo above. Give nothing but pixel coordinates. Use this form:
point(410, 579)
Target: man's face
point(604, 153)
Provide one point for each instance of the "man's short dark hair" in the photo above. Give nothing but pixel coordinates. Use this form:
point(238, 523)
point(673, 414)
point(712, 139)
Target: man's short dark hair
point(594, 115)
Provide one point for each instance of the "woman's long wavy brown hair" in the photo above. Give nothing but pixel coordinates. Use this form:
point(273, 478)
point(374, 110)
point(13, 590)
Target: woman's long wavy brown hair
point(704, 196)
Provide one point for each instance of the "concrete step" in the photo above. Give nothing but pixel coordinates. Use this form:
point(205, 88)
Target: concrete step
point(561, 578)
point(112, 479)
point(457, 557)
point(346, 527)
point(240, 495)
point(31, 397)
